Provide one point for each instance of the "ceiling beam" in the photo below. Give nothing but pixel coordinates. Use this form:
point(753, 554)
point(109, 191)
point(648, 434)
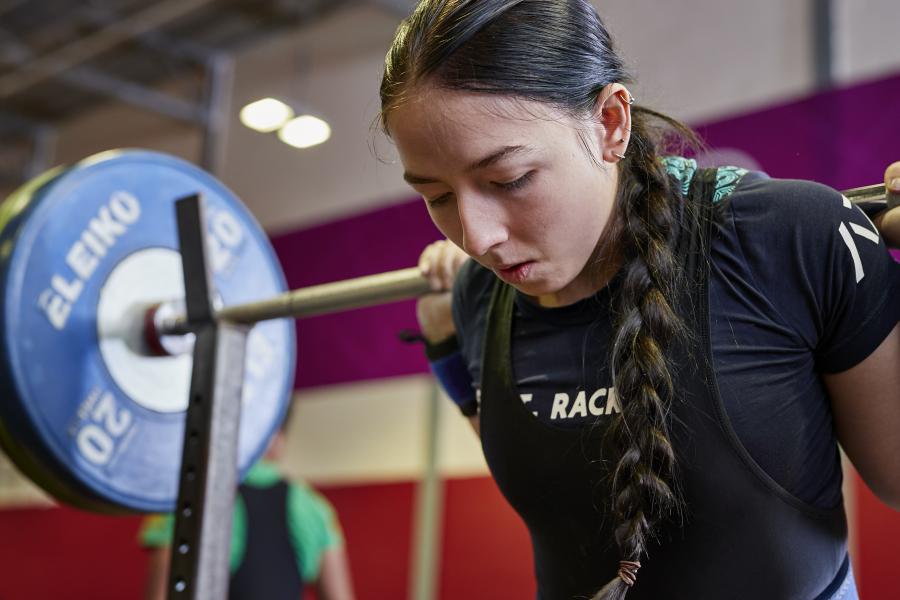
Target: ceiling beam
point(58, 61)
point(152, 40)
point(95, 80)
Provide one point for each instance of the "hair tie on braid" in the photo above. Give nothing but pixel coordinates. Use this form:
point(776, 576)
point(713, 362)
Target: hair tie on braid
point(628, 571)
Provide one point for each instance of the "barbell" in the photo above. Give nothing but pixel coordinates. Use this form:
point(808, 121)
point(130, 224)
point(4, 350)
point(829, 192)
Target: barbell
point(94, 345)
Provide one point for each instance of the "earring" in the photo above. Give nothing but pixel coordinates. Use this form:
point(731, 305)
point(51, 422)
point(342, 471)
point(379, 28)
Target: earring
point(619, 156)
point(622, 141)
point(630, 99)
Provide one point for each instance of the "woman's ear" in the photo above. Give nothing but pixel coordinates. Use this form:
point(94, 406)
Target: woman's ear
point(612, 114)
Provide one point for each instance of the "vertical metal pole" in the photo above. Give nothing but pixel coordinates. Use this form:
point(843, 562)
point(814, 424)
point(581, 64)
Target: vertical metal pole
point(219, 84)
point(203, 513)
point(429, 509)
point(823, 42)
point(43, 138)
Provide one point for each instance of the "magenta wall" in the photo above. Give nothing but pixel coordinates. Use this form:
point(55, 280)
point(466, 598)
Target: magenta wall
point(359, 344)
point(844, 137)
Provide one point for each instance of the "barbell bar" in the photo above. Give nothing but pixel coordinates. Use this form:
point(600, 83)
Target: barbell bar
point(325, 298)
point(391, 286)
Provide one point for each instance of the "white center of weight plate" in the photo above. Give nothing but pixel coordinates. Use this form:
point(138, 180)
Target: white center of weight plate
point(145, 278)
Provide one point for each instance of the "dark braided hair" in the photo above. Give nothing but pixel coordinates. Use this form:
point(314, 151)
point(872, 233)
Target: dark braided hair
point(559, 53)
point(643, 484)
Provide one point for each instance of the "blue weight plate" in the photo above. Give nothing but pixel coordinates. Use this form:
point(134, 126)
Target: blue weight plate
point(95, 247)
point(20, 443)
point(61, 488)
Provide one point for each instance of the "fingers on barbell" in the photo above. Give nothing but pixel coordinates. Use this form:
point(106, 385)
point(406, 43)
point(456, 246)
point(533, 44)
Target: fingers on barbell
point(449, 265)
point(426, 265)
point(439, 263)
point(892, 184)
point(892, 178)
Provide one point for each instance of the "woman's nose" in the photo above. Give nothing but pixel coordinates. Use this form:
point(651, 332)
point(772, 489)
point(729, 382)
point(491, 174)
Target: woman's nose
point(483, 225)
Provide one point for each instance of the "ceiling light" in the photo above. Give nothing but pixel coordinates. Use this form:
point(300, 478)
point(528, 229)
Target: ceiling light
point(266, 115)
point(304, 131)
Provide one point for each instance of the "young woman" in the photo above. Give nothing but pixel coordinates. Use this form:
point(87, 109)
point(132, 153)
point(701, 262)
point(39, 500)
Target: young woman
point(661, 359)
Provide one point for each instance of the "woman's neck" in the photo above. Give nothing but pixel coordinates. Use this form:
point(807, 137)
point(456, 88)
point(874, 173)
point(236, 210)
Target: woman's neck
point(592, 282)
point(603, 264)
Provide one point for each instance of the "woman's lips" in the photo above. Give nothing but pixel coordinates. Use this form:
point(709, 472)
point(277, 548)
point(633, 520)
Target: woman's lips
point(516, 273)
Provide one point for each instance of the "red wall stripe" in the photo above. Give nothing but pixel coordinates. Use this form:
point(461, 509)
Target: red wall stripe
point(486, 552)
point(56, 553)
point(377, 521)
point(878, 556)
point(53, 553)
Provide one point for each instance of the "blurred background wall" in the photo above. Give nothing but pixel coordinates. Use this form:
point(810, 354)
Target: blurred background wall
point(799, 88)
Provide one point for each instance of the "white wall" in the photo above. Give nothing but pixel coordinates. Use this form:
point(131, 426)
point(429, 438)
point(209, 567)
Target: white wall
point(698, 59)
point(866, 37)
point(377, 431)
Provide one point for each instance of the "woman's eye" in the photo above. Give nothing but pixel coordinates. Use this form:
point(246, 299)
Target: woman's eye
point(516, 184)
point(435, 202)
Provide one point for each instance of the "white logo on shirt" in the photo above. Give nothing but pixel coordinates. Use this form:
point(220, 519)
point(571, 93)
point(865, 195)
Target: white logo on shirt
point(526, 398)
point(871, 235)
point(602, 402)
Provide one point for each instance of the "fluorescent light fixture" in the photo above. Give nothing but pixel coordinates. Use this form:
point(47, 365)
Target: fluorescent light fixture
point(304, 131)
point(266, 115)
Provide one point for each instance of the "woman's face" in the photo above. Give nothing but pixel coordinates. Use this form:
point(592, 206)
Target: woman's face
point(512, 184)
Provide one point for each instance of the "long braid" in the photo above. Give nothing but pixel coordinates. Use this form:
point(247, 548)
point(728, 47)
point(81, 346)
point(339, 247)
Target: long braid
point(643, 482)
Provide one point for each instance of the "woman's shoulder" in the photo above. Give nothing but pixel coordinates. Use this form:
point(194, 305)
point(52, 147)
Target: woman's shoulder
point(768, 202)
point(800, 222)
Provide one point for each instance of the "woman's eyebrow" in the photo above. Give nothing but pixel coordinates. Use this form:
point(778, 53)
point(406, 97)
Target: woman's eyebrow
point(502, 153)
point(487, 161)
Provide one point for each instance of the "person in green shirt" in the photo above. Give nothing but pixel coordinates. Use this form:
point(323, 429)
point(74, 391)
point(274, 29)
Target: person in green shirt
point(284, 536)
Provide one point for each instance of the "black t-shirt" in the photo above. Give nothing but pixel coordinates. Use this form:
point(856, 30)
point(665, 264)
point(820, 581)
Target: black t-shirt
point(800, 285)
